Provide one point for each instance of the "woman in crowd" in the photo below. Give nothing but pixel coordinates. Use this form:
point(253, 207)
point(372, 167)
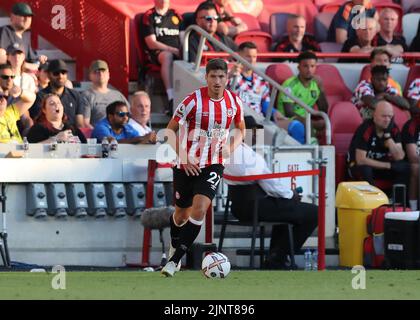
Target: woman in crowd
point(51, 125)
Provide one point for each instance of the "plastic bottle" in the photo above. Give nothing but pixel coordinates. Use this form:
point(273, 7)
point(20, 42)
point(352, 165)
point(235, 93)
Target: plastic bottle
point(105, 148)
point(53, 147)
point(315, 260)
point(25, 147)
point(308, 260)
point(113, 149)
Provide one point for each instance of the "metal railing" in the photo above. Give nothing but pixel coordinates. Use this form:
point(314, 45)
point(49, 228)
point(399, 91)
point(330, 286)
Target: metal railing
point(275, 85)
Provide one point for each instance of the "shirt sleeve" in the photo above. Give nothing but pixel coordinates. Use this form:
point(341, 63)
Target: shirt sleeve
point(37, 133)
point(239, 116)
point(131, 132)
point(100, 131)
point(147, 25)
point(184, 109)
point(407, 136)
point(87, 112)
point(360, 142)
point(363, 89)
point(414, 90)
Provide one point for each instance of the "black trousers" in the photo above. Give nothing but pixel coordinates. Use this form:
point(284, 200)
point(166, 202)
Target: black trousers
point(303, 216)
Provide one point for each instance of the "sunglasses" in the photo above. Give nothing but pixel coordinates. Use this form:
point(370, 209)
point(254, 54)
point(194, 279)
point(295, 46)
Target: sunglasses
point(210, 18)
point(57, 73)
point(7, 77)
point(123, 114)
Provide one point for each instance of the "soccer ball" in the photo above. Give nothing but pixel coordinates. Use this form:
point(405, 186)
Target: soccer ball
point(215, 265)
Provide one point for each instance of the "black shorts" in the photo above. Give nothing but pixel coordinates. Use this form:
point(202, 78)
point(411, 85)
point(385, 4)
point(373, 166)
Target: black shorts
point(186, 187)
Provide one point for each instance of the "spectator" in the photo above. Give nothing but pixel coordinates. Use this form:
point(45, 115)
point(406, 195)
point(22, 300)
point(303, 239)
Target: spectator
point(10, 113)
point(411, 143)
point(280, 204)
point(386, 37)
point(52, 125)
point(161, 32)
point(115, 126)
point(140, 113)
point(99, 96)
point(362, 42)
point(18, 32)
point(73, 102)
point(367, 93)
point(342, 26)
point(12, 93)
point(381, 57)
point(16, 58)
point(43, 80)
point(376, 151)
point(413, 94)
point(296, 40)
point(254, 91)
point(206, 18)
point(229, 25)
point(309, 89)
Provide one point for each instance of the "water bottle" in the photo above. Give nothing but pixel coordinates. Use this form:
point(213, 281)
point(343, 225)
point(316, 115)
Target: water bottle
point(25, 147)
point(105, 148)
point(315, 260)
point(113, 149)
point(308, 260)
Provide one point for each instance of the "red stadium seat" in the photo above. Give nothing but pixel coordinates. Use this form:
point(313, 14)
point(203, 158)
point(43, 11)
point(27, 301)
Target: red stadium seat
point(400, 117)
point(365, 73)
point(249, 20)
point(331, 7)
point(334, 85)
point(321, 3)
point(279, 72)
point(410, 5)
point(278, 25)
point(322, 24)
point(412, 74)
point(345, 119)
point(260, 38)
point(410, 21)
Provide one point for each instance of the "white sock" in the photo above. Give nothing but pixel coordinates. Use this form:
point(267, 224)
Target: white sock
point(178, 225)
point(170, 93)
point(413, 205)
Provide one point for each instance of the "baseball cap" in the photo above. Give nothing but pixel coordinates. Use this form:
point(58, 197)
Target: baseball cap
point(15, 47)
point(98, 65)
point(250, 123)
point(22, 9)
point(57, 65)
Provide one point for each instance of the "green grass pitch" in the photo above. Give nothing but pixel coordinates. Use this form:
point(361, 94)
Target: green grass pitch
point(188, 285)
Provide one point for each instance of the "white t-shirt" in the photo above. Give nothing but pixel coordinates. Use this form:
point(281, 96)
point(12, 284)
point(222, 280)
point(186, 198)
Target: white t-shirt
point(246, 162)
point(25, 82)
point(142, 130)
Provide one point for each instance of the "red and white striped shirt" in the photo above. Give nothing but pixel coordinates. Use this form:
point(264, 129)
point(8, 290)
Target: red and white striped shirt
point(204, 124)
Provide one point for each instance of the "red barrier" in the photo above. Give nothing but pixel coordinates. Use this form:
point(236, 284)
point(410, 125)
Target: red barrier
point(321, 202)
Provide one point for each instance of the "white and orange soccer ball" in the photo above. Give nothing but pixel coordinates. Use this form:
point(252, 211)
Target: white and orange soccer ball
point(215, 265)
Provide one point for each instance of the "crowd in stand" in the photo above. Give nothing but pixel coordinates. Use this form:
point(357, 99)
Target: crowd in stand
point(37, 99)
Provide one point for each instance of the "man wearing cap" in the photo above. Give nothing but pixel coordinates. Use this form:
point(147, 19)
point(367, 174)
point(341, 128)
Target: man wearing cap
point(73, 102)
point(99, 96)
point(14, 102)
point(18, 32)
point(279, 203)
point(16, 58)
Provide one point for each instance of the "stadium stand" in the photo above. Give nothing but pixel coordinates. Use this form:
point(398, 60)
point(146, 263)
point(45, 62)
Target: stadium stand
point(409, 21)
point(322, 23)
point(262, 39)
point(278, 25)
point(335, 87)
point(400, 117)
point(345, 118)
point(251, 21)
point(330, 47)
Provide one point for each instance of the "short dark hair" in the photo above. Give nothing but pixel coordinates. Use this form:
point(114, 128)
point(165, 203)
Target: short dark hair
point(247, 45)
point(110, 109)
point(5, 66)
point(206, 5)
point(216, 64)
point(379, 51)
point(306, 55)
point(379, 70)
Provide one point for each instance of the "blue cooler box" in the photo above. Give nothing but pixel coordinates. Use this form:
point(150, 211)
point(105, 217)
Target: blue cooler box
point(401, 239)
